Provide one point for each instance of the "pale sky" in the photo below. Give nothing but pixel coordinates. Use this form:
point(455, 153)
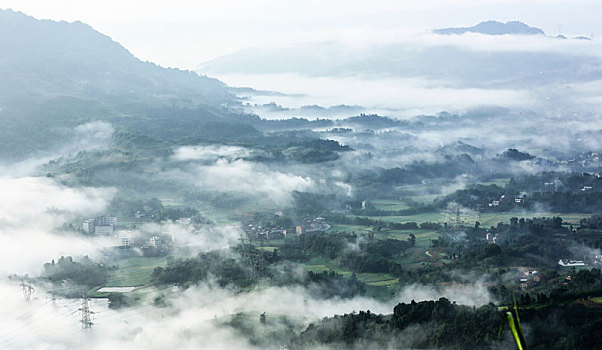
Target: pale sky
point(185, 33)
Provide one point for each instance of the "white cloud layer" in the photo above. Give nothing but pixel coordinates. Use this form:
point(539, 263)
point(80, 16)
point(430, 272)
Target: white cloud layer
point(192, 322)
point(219, 168)
point(399, 97)
point(32, 213)
point(184, 33)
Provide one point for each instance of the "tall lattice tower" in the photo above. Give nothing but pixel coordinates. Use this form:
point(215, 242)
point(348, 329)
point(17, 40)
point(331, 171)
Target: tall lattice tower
point(86, 319)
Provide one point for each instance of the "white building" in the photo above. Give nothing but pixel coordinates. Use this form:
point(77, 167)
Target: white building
point(106, 221)
point(125, 239)
point(102, 225)
point(88, 226)
point(569, 263)
point(104, 230)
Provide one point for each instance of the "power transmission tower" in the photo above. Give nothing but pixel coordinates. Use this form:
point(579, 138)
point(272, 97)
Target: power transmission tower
point(257, 265)
point(86, 319)
point(27, 289)
point(252, 258)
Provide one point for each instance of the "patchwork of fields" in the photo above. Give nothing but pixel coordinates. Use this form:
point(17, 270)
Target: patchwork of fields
point(136, 272)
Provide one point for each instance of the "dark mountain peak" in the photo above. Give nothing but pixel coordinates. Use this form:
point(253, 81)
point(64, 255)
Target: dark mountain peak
point(22, 34)
point(66, 58)
point(494, 28)
point(57, 75)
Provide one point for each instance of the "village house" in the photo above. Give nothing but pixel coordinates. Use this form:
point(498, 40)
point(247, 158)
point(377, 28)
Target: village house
point(569, 263)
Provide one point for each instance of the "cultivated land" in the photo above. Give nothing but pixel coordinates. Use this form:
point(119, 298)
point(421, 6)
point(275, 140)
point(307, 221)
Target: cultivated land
point(486, 219)
point(135, 272)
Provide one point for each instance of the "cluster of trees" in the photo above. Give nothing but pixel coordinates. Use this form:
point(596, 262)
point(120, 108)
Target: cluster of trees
point(415, 172)
point(312, 204)
point(564, 201)
point(358, 255)
point(330, 284)
point(231, 269)
point(442, 324)
point(84, 273)
point(561, 192)
point(153, 210)
point(328, 246)
point(371, 263)
point(309, 151)
point(435, 324)
point(514, 154)
point(526, 242)
point(226, 269)
point(593, 223)
point(448, 324)
point(556, 181)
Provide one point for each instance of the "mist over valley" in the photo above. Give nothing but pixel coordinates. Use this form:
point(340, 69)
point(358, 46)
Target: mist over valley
point(385, 189)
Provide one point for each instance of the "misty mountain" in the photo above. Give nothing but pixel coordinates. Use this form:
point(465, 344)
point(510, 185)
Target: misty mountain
point(438, 57)
point(65, 85)
point(494, 28)
point(60, 58)
point(57, 75)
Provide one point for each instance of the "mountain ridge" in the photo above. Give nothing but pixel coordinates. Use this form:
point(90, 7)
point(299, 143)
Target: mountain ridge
point(58, 75)
point(74, 58)
point(494, 28)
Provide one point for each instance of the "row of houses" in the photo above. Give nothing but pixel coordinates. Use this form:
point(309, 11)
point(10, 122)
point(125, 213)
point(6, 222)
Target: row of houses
point(268, 233)
point(529, 278)
point(135, 239)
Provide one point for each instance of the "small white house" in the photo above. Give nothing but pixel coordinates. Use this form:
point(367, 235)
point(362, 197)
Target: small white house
point(570, 263)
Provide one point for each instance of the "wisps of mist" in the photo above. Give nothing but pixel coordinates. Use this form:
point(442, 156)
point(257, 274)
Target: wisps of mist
point(220, 169)
point(33, 213)
point(194, 318)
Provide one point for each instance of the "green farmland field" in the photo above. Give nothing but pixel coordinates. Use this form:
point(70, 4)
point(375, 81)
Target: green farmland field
point(134, 272)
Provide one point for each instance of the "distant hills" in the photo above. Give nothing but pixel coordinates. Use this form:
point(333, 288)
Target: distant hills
point(494, 28)
point(471, 64)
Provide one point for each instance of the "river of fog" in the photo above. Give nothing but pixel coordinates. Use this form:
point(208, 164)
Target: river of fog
point(401, 98)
